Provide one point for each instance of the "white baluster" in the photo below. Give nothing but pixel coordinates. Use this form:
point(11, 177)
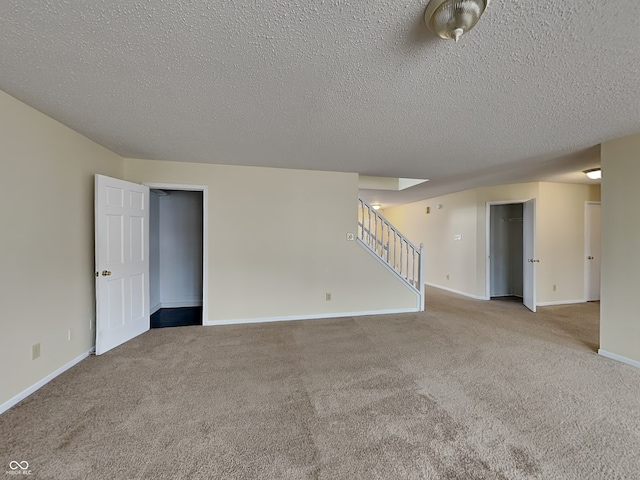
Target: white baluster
point(388, 233)
point(413, 264)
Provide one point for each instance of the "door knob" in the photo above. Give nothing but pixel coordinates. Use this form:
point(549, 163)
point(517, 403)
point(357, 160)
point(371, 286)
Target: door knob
point(590, 258)
point(106, 273)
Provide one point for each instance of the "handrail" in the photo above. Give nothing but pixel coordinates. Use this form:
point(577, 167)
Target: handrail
point(392, 247)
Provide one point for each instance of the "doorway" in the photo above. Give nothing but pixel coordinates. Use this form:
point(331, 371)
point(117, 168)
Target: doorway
point(506, 250)
point(177, 255)
point(510, 267)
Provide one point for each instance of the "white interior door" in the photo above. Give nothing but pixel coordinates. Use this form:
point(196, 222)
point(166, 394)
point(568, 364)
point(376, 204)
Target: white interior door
point(592, 252)
point(122, 261)
point(529, 254)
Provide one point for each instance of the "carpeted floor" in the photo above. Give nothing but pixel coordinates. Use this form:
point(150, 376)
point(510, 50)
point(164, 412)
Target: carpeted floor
point(467, 390)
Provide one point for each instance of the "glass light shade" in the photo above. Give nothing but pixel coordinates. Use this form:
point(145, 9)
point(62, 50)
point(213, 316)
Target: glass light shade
point(594, 174)
point(449, 19)
point(376, 207)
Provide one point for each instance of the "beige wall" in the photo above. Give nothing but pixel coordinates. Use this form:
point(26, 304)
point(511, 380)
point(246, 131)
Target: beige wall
point(46, 192)
point(443, 255)
point(277, 242)
point(619, 315)
point(559, 236)
point(560, 240)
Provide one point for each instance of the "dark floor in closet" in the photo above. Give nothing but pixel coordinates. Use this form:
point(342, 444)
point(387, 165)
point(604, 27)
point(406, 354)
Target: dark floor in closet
point(508, 298)
point(176, 317)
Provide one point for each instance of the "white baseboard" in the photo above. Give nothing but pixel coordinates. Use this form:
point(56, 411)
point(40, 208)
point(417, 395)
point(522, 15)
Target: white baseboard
point(479, 297)
point(458, 292)
point(306, 317)
point(560, 302)
point(619, 358)
point(25, 393)
point(187, 303)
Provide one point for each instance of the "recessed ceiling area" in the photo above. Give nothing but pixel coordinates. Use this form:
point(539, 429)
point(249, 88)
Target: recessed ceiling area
point(364, 87)
point(567, 169)
point(388, 183)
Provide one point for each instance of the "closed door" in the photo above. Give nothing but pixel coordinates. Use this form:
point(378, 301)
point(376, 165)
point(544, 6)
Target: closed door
point(592, 252)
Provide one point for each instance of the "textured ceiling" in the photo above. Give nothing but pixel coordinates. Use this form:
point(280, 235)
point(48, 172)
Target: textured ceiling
point(340, 85)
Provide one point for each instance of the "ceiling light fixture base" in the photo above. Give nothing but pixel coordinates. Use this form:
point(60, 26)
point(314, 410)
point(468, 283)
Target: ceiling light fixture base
point(450, 19)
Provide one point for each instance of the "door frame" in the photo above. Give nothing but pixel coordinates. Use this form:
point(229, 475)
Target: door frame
point(587, 240)
point(488, 241)
point(205, 222)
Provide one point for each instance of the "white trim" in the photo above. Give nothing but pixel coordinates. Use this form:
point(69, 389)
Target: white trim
point(205, 229)
point(306, 317)
point(619, 358)
point(175, 186)
point(155, 308)
point(458, 292)
point(560, 302)
point(41, 383)
point(192, 303)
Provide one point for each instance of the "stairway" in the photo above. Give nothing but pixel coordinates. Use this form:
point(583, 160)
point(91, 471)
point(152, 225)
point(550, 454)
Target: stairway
point(391, 248)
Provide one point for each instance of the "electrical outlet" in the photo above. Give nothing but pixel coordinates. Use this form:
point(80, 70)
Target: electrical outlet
point(69, 335)
point(447, 276)
point(35, 351)
point(328, 297)
point(351, 237)
point(555, 287)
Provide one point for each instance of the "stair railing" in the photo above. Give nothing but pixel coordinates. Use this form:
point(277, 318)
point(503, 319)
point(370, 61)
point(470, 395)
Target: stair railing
point(391, 246)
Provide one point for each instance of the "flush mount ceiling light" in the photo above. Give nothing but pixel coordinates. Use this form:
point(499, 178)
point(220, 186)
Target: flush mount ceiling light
point(594, 173)
point(450, 19)
point(376, 206)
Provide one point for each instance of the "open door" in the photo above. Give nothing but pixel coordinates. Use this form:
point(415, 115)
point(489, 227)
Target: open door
point(122, 261)
point(592, 247)
point(529, 258)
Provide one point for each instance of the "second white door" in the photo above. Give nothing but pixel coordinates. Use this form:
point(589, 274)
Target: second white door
point(529, 258)
point(592, 252)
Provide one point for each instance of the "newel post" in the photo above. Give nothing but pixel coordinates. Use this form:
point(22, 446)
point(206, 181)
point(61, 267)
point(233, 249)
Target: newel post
point(422, 277)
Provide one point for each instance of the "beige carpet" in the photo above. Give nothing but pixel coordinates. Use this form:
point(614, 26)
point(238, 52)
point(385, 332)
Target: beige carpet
point(467, 390)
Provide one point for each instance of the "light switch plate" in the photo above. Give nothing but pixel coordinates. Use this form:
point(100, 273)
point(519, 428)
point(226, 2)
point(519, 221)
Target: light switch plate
point(351, 237)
